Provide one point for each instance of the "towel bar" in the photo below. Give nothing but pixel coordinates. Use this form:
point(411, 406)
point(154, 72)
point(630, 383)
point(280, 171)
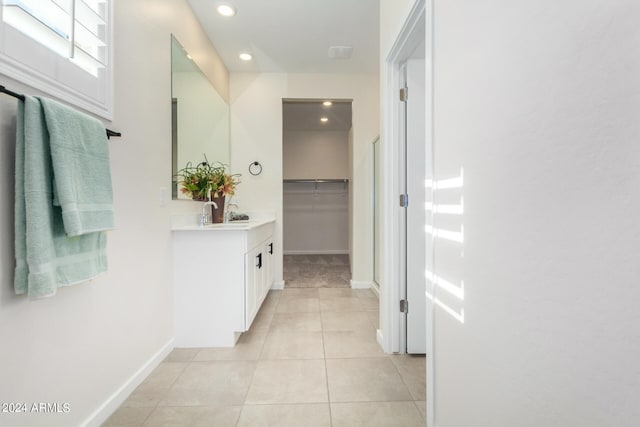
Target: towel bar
point(3, 89)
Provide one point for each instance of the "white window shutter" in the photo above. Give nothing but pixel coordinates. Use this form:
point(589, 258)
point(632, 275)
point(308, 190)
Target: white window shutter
point(61, 47)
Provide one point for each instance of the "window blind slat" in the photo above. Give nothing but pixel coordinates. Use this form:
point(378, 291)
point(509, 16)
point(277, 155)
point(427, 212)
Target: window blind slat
point(89, 30)
point(34, 28)
point(46, 12)
point(96, 6)
point(62, 4)
point(87, 15)
point(87, 61)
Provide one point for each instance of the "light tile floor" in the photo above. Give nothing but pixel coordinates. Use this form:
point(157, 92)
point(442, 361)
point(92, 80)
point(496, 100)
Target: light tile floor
point(310, 359)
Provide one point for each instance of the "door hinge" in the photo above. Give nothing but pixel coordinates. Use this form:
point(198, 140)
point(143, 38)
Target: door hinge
point(404, 200)
point(404, 94)
point(404, 306)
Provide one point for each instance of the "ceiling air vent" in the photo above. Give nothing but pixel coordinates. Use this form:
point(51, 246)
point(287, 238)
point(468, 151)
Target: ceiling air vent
point(340, 52)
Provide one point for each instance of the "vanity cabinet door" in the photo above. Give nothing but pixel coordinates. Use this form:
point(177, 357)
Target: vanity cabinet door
point(268, 268)
point(254, 284)
point(259, 278)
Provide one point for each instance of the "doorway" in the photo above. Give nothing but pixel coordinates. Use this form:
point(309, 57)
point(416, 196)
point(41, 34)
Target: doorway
point(407, 316)
point(407, 164)
point(316, 193)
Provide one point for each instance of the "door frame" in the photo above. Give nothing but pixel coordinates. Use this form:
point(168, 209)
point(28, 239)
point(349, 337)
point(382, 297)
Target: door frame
point(390, 336)
point(392, 150)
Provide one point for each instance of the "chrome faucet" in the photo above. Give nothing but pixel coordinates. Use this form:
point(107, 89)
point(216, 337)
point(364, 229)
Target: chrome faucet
point(204, 218)
point(227, 216)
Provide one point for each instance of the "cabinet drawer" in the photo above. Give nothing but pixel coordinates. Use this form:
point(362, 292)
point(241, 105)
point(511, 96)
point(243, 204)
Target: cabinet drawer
point(258, 235)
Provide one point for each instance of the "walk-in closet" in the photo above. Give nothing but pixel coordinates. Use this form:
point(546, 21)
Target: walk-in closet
point(316, 171)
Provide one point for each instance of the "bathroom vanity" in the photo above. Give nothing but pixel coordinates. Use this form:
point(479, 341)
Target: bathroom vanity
point(221, 275)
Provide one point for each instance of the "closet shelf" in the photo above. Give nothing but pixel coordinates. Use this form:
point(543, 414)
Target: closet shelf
point(317, 181)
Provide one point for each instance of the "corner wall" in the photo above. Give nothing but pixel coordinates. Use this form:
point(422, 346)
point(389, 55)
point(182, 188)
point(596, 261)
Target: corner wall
point(256, 134)
point(82, 345)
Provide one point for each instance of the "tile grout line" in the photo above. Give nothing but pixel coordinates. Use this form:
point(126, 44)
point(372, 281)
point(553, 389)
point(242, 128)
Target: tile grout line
point(244, 401)
point(326, 369)
point(402, 376)
point(157, 405)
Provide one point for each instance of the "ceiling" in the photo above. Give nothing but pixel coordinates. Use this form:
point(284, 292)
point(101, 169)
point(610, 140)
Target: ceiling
point(293, 36)
point(305, 115)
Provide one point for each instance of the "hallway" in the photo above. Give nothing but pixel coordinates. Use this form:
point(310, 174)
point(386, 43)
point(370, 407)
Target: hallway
point(310, 359)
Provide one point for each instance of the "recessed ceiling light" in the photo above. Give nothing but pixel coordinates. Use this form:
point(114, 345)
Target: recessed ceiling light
point(324, 119)
point(246, 56)
point(327, 103)
point(226, 10)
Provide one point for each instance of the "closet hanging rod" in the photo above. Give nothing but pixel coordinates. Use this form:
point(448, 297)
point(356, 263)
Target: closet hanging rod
point(3, 89)
point(317, 180)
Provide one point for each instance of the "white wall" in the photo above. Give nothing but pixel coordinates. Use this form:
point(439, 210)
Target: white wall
point(538, 102)
point(89, 340)
point(315, 154)
point(256, 134)
point(392, 17)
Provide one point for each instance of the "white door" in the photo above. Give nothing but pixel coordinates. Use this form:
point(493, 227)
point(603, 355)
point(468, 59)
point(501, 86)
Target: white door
point(415, 210)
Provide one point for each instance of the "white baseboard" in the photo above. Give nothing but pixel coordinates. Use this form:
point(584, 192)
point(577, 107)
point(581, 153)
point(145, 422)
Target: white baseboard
point(279, 285)
point(317, 252)
point(375, 288)
point(380, 338)
point(100, 415)
point(355, 284)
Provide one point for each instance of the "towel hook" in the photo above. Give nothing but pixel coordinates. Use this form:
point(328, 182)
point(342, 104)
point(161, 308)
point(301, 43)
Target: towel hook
point(255, 168)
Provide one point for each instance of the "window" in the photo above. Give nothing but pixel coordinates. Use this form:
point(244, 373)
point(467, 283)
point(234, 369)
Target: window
point(62, 47)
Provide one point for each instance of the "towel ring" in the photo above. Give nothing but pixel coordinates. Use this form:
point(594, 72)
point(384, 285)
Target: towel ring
point(255, 168)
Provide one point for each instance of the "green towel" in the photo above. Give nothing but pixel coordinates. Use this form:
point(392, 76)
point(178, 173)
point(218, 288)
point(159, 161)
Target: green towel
point(20, 217)
point(81, 169)
point(46, 258)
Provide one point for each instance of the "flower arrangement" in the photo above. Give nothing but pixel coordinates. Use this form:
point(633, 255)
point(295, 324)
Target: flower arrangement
point(207, 180)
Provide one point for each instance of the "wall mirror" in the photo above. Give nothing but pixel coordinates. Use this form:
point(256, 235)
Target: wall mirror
point(199, 116)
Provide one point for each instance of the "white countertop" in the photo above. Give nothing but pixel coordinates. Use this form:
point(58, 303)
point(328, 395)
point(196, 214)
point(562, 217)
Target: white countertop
point(191, 223)
point(231, 226)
